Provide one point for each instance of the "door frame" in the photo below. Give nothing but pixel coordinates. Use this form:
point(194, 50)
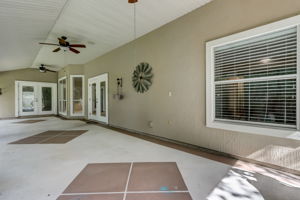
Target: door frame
point(38, 86)
point(59, 93)
point(98, 79)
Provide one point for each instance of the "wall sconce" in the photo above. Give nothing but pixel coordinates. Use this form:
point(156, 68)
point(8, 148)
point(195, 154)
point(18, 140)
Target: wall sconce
point(119, 95)
point(120, 82)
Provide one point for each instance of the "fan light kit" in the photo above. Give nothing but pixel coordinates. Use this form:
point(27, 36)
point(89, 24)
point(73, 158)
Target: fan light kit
point(43, 69)
point(64, 44)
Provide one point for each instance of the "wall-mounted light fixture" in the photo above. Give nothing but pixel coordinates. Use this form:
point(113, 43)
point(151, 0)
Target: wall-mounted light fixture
point(120, 82)
point(119, 95)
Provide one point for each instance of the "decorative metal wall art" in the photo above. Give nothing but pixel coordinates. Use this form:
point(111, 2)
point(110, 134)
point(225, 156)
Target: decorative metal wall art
point(142, 77)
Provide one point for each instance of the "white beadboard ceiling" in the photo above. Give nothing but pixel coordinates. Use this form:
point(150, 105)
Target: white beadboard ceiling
point(23, 24)
point(102, 25)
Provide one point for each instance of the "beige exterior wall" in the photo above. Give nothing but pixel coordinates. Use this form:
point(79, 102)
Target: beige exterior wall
point(176, 52)
point(7, 83)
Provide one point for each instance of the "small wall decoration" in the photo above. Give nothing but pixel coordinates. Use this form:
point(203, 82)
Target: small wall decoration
point(142, 77)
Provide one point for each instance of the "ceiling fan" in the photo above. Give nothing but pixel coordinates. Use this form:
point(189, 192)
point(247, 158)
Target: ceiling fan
point(43, 68)
point(62, 42)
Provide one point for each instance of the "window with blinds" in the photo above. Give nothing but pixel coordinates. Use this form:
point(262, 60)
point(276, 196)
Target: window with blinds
point(255, 80)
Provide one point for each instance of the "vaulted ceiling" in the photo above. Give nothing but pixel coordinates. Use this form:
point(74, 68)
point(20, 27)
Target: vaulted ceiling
point(23, 24)
point(102, 25)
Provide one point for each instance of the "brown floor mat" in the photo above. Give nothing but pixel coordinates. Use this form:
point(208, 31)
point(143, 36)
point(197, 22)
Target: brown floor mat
point(31, 121)
point(137, 181)
point(51, 137)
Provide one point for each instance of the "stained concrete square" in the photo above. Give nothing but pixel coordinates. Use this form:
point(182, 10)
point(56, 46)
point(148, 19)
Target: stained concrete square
point(163, 176)
point(104, 177)
point(51, 137)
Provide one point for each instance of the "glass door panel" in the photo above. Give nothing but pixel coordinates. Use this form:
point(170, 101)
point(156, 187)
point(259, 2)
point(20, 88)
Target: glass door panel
point(94, 99)
point(46, 99)
point(62, 96)
point(93, 104)
point(77, 107)
point(28, 99)
point(103, 98)
point(76, 96)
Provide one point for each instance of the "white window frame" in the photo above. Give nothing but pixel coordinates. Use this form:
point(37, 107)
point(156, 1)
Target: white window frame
point(71, 96)
point(210, 83)
point(59, 95)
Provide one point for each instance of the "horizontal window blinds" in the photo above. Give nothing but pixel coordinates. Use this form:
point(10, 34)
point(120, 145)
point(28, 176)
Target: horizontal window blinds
point(255, 79)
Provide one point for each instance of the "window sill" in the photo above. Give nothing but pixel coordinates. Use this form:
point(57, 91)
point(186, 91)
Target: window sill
point(267, 131)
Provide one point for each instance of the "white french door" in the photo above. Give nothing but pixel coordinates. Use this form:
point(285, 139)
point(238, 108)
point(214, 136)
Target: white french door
point(98, 98)
point(35, 98)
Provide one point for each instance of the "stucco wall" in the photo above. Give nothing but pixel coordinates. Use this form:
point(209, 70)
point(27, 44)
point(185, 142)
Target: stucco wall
point(176, 52)
point(7, 83)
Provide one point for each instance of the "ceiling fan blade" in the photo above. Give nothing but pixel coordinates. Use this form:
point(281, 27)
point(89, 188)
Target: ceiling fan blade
point(74, 50)
point(56, 50)
point(48, 44)
point(48, 70)
point(62, 42)
point(78, 45)
point(132, 1)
